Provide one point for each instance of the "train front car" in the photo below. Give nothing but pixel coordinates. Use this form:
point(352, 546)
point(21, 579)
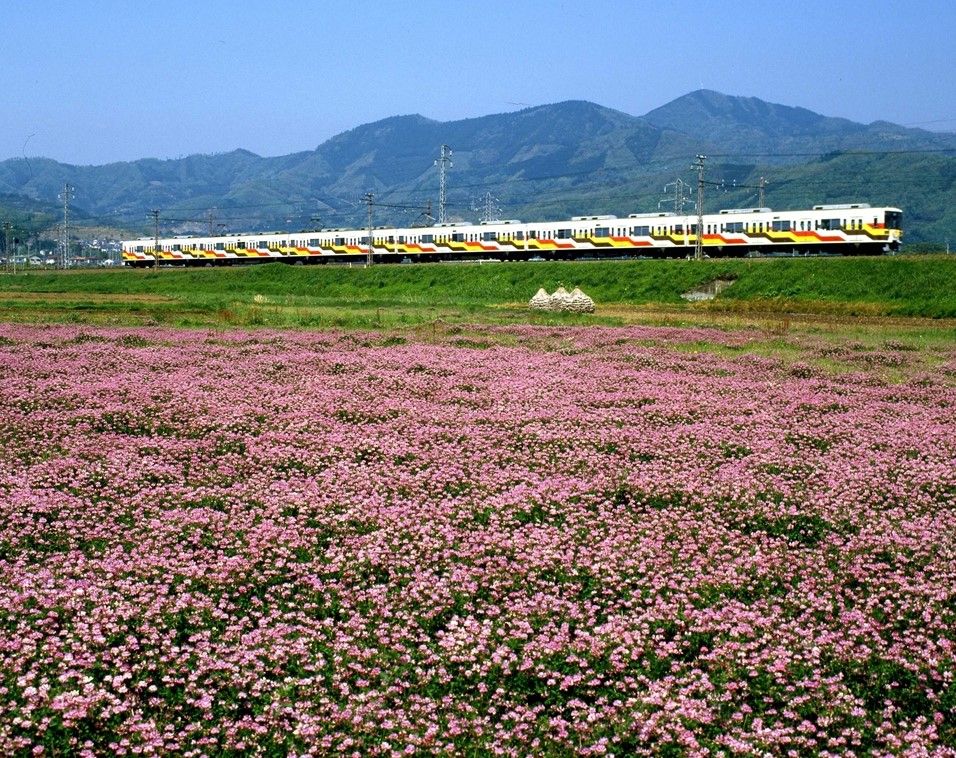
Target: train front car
point(892, 229)
point(856, 229)
point(845, 229)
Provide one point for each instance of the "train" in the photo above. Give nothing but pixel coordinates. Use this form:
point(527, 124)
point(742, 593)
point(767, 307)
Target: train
point(838, 229)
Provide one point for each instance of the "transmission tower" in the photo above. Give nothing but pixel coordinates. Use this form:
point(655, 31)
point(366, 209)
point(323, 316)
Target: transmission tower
point(488, 209)
point(760, 186)
point(425, 218)
point(679, 199)
point(443, 163)
point(699, 244)
point(211, 222)
point(66, 196)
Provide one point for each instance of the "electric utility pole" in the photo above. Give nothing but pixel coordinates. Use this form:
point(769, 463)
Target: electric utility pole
point(155, 214)
point(7, 226)
point(369, 201)
point(699, 246)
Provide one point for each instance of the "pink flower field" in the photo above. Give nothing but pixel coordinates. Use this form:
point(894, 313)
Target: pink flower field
point(554, 541)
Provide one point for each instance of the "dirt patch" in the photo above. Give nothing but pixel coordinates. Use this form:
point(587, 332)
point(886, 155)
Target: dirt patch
point(707, 291)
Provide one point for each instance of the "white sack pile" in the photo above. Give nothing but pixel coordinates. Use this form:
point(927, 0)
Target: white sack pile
point(562, 300)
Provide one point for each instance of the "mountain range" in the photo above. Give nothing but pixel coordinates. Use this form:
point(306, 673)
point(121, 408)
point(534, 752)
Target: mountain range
point(569, 158)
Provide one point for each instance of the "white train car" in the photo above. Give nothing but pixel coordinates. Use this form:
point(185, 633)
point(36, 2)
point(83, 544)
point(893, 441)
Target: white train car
point(845, 229)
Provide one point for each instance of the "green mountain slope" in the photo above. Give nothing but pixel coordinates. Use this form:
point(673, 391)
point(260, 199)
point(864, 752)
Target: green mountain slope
point(547, 161)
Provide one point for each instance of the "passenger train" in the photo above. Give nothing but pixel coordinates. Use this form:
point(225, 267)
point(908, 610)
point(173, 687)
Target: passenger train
point(846, 229)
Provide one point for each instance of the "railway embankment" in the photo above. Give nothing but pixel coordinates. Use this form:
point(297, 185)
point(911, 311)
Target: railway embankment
point(277, 295)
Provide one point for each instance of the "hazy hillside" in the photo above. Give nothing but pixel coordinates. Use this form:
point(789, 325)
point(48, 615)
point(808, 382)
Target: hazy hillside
point(751, 127)
point(552, 160)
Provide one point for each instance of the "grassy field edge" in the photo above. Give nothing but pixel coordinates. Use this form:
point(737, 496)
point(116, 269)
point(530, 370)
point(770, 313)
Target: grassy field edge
point(892, 286)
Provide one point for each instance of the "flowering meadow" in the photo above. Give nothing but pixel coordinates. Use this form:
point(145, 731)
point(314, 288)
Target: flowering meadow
point(538, 540)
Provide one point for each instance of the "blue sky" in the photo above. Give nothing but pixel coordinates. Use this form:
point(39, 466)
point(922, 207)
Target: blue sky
point(91, 82)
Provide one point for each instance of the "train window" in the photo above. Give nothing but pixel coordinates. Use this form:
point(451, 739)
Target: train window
point(457, 237)
point(602, 231)
point(263, 244)
point(641, 231)
point(428, 238)
point(678, 229)
point(894, 220)
point(220, 246)
point(781, 226)
point(139, 248)
point(314, 242)
point(532, 235)
point(241, 244)
point(489, 237)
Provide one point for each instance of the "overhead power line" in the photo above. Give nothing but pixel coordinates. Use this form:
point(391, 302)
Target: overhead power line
point(835, 153)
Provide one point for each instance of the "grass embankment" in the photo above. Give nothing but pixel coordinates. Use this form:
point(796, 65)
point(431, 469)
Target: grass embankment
point(394, 296)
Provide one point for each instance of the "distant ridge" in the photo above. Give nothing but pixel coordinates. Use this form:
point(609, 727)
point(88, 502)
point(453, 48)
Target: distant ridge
point(748, 124)
point(543, 161)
